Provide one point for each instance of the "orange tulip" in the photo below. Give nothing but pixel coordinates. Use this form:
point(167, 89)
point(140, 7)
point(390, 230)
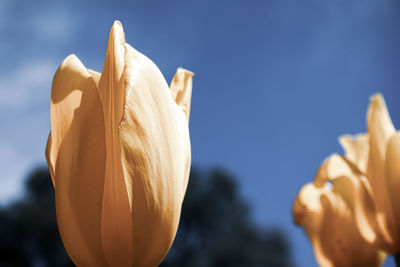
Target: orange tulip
point(119, 155)
point(329, 224)
point(371, 181)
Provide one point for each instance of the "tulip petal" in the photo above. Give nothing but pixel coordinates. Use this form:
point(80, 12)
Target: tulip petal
point(76, 157)
point(380, 130)
point(340, 239)
point(116, 218)
point(334, 166)
point(393, 177)
point(155, 157)
point(356, 149)
point(95, 75)
point(181, 89)
point(355, 190)
point(329, 224)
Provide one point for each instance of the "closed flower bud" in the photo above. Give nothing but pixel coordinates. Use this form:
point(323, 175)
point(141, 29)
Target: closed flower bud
point(119, 155)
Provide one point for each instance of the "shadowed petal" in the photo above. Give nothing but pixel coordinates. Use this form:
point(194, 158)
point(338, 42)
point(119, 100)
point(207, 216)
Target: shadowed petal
point(354, 188)
point(393, 178)
point(76, 156)
point(334, 166)
point(356, 150)
point(329, 224)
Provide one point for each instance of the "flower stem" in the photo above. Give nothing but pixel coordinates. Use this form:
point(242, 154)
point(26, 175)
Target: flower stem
point(397, 259)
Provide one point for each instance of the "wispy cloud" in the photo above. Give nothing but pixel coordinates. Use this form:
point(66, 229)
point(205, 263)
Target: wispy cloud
point(26, 85)
point(57, 25)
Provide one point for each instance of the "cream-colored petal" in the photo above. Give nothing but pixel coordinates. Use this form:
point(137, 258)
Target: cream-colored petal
point(155, 150)
point(181, 89)
point(380, 126)
point(329, 224)
point(356, 150)
point(380, 130)
point(95, 75)
point(393, 179)
point(339, 238)
point(76, 157)
point(116, 218)
point(306, 204)
point(355, 190)
point(334, 166)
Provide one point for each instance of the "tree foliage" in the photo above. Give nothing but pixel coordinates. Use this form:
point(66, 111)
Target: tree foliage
point(215, 229)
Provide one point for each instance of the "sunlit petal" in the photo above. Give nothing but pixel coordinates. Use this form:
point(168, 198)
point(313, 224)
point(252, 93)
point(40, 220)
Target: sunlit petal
point(76, 156)
point(393, 179)
point(181, 89)
point(356, 150)
point(116, 218)
point(155, 157)
point(329, 224)
point(380, 130)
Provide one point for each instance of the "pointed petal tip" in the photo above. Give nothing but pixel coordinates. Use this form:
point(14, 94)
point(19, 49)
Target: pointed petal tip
point(181, 89)
point(379, 124)
point(117, 23)
point(116, 45)
point(117, 31)
point(356, 148)
point(72, 62)
point(344, 138)
point(327, 170)
point(376, 98)
point(117, 26)
point(377, 102)
point(330, 157)
point(69, 59)
point(182, 70)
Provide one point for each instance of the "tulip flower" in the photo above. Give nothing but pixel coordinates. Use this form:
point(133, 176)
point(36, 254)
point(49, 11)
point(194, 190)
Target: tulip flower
point(372, 180)
point(119, 156)
point(330, 226)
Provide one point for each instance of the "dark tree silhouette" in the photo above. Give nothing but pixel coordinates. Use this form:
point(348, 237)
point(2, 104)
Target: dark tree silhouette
point(28, 228)
point(215, 228)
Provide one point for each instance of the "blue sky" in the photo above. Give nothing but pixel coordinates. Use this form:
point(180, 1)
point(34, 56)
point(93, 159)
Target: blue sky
point(277, 81)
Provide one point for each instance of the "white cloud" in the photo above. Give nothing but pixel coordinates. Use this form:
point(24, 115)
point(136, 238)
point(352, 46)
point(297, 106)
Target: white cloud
point(22, 147)
point(56, 25)
point(26, 85)
point(22, 141)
